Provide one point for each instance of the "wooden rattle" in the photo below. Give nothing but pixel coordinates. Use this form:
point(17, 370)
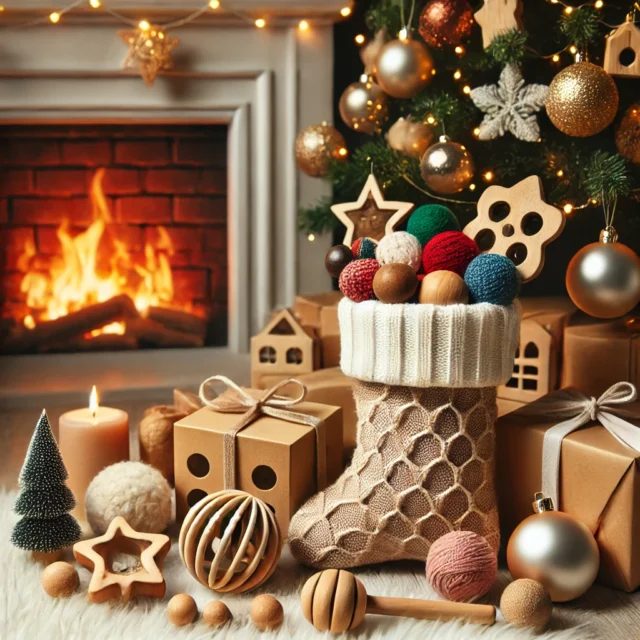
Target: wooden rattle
point(335, 600)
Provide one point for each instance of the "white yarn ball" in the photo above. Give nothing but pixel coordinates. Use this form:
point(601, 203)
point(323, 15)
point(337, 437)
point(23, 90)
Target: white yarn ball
point(401, 247)
point(134, 490)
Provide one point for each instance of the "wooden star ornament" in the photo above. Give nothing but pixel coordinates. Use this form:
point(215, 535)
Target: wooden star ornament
point(497, 16)
point(371, 216)
point(103, 554)
point(149, 50)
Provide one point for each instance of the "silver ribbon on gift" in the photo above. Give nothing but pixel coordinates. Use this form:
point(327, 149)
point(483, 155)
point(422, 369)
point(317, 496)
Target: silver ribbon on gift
point(577, 410)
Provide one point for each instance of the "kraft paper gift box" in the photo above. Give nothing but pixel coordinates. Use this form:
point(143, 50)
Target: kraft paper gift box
point(275, 460)
point(599, 484)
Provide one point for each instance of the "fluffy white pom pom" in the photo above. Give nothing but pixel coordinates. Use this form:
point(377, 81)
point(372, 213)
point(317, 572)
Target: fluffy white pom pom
point(402, 247)
point(134, 490)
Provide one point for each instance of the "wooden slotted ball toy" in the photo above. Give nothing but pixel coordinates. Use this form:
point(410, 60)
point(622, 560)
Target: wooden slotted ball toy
point(443, 287)
point(266, 612)
point(182, 610)
point(335, 600)
point(230, 542)
point(60, 580)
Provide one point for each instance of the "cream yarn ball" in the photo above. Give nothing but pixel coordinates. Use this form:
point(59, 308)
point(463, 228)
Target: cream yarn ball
point(402, 247)
point(134, 490)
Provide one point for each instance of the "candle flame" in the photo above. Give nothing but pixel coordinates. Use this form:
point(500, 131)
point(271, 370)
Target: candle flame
point(93, 401)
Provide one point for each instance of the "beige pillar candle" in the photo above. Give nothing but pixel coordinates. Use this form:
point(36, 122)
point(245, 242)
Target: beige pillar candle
point(91, 439)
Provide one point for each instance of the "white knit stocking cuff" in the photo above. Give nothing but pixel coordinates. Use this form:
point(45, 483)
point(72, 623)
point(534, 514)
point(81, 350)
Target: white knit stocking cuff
point(426, 345)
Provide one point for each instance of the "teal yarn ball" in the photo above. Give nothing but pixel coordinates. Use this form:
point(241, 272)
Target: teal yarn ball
point(429, 220)
point(492, 278)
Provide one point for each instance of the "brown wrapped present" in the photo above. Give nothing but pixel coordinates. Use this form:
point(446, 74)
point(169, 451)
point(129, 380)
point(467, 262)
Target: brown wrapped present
point(597, 354)
point(597, 479)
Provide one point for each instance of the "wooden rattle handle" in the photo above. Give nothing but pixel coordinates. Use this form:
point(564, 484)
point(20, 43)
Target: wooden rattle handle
point(431, 609)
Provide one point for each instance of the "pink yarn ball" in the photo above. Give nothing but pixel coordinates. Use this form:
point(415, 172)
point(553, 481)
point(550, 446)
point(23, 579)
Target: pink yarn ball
point(461, 566)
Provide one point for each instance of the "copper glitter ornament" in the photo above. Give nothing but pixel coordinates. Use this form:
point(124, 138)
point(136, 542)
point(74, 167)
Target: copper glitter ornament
point(445, 22)
point(582, 100)
point(447, 167)
point(404, 68)
point(149, 50)
point(317, 146)
point(363, 106)
point(628, 134)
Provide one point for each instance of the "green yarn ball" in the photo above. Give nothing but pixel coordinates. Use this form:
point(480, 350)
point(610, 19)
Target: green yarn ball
point(429, 220)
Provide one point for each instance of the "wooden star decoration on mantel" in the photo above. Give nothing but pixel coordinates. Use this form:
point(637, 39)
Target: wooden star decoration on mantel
point(149, 50)
point(102, 554)
point(371, 216)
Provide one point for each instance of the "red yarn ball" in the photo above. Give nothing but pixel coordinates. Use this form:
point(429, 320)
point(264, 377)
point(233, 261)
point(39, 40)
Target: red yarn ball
point(449, 251)
point(356, 279)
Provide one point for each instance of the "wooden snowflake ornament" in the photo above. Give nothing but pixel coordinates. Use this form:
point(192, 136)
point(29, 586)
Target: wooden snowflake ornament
point(517, 223)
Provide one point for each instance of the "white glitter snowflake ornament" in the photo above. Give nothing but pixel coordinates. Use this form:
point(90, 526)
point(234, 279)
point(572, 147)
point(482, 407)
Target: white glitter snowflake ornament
point(510, 106)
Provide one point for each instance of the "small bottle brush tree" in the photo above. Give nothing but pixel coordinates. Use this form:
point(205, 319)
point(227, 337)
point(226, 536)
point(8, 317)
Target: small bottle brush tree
point(44, 500)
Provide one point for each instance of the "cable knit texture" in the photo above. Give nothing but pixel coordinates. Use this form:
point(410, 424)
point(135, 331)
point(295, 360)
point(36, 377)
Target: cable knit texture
point(427, 345)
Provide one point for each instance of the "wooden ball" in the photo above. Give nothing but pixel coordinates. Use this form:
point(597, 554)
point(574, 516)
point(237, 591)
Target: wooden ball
point(526, 603)
point(60, 580)
point(395, 283)
point(182, 610)
point(443, 287)
point(253, 527)
point(266, 612)
point(216, 613)
point(337, 259)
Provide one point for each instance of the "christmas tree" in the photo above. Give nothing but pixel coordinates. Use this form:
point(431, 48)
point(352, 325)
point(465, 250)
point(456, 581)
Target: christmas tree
point(45, 499)
point(494, 73)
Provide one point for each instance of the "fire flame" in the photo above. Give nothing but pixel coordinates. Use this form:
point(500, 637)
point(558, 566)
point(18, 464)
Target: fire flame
point(93, 401)
point(94, 267)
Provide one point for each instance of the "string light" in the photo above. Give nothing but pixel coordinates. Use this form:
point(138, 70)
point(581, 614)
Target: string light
point(303, 25)
point(143, 25)
point(555, 57)
point(459, 50)
point(472, 187)
point(559, 173)
point(343, 151)
point(488, 176)
point(95, 3)
point(466, 89)
point(359, 39)
point(599, 4)
point(431, 120)
point(311, 237)
point(214, 4)
point(1, 8)
point(54, 17)
point(458, 74)
point(345, 12)
point(568, 208)
point(573, 49)
point(261, 23)
point(568, 10)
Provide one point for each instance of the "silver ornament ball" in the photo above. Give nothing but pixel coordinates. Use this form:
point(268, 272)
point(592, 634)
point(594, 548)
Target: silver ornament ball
point(363, 106)
point(603, 279)
point(447, 167)
point(403, 68)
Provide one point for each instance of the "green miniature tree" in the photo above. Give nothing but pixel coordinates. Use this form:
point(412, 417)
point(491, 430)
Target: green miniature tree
point(45, 500)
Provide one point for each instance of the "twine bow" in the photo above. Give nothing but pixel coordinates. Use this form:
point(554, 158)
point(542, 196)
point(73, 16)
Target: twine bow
point(237, 400)
point(577, 410)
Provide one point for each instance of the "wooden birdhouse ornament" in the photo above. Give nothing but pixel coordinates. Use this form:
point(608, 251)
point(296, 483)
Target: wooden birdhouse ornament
point(284, 347)
point(625, 40)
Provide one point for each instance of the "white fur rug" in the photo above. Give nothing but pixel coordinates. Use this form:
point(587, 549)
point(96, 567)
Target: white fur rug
point(27, 613)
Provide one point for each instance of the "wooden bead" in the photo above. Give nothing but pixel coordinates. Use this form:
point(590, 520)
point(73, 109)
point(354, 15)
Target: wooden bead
point(60, 580)
point(216, 613)
point(337, 259)
point(266, 612)
point(443, 287)
point(395, 283)
point(182, 610)
point(525, 603)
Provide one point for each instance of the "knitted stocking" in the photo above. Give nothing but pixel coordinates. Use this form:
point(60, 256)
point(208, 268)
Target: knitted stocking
point(423, 464)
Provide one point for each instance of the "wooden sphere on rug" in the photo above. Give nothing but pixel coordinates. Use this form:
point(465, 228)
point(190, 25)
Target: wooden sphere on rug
point(356, 279)
point(395, 283)
point(337, 259)
point(266, 612)
point(449, 251)
point(134, 490)
point(60, 580)
point(461, 566)
point(216, 613)
point(526, 603)
point(443, 287)
point(248, 545)
point(182, 610)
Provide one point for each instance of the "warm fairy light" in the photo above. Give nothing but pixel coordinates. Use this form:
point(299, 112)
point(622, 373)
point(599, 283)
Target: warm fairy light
point(573, 49)
point(93, 401)
point(345, 11)
point(568, 10)
point(476, 131)
point(359, 39)
point(144, 25)
point(29, 322)
point(594, 201)
point(431, 120)
point(472, 187)
point(433, 71)
point(261, 23)
point(556, 57)
point(466, 89)
point(95, 3)
point(311, 237)
point(458, 74)
point(54, 17)
point(459, 50)
point(568, 208)
point(599, 4)
point(1, 8)
point(559, 173)
point(488, 176)
point(342, 152)
point(214, 4)
point(303, 25)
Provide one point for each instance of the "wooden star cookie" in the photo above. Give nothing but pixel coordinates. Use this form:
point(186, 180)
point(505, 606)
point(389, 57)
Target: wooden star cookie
point(371, 216)
point(517, 223)
point(101, 555)
point(497, 16)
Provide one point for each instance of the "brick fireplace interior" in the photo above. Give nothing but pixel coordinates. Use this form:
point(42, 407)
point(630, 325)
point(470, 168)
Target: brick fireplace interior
point(113, 237)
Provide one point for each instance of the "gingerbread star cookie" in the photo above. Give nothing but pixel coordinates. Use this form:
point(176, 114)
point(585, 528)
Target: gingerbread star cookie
point(113, 576)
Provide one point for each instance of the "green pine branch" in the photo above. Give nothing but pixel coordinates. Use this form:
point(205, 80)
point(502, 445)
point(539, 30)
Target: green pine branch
point(508, 48)
point(607, 177)
point(581, 26)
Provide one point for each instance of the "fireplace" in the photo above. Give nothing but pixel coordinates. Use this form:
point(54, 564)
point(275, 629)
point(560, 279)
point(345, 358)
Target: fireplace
point(113, 237)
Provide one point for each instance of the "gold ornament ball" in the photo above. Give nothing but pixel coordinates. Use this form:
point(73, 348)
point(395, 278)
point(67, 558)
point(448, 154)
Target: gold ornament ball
point(363, 106)
point(525, 603)
point(182, 610)
point(403, 68)
point(447, 167)
point(60, 580)
point(410, 137)
point(216, 613)
point(628, 134)
point(603, 279)
point(582, 100)
point(266, 612)
point(558, 551)
point(317, 146)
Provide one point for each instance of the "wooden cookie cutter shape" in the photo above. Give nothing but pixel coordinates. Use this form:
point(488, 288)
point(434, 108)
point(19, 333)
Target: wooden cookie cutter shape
point(516, 222)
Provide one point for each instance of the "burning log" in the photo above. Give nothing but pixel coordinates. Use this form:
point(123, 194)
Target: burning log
point(150, 331)
point(179, 321)
point(102, 342)
point(71, 326)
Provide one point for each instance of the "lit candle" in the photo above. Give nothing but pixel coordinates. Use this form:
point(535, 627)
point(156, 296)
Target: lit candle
point(91, 439)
